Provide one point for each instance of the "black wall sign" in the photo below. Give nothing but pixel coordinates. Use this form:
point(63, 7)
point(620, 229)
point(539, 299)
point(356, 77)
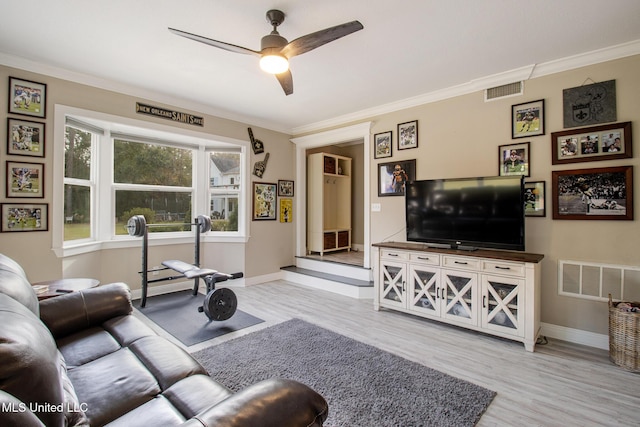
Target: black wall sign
point(175, 116)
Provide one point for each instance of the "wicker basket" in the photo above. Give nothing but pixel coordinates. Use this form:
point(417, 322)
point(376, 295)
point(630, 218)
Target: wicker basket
point(624, 338)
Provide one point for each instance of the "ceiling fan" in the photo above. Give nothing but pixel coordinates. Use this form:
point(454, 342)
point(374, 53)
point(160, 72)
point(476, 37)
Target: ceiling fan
point(275, 51)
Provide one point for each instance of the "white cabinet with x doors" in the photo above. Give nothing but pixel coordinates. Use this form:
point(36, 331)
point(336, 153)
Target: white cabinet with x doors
point(476, 290)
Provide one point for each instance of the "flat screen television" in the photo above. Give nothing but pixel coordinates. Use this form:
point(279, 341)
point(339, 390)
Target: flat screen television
point(467, 213)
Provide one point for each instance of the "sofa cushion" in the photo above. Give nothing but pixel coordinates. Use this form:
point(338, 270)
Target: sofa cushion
point(156, 412)
point(85, 346)
point(13, 282)
point(194, 394)
point(182, 401)
point(166, 361)
point(127, 329)
point(113, 385)
point(29, 361)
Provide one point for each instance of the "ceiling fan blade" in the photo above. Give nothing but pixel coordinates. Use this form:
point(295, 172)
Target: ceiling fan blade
point(311, 41)
point(215, 43)
point(286, 81)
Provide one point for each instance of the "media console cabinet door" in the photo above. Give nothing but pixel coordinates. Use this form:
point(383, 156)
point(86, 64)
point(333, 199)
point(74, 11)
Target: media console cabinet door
point(392, 283)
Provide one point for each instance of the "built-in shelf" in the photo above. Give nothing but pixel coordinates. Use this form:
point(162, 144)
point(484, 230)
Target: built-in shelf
point(329, 203)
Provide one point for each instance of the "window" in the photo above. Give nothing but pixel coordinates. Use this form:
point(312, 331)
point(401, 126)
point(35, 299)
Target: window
point(224, 190)
point(78, 182)
point(117, 167)
point(152, 180)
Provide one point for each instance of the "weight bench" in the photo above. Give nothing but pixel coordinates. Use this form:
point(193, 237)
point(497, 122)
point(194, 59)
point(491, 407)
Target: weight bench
point(219, 304)
point(190, 271)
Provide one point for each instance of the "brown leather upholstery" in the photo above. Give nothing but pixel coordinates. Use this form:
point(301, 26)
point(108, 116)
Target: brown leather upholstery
point(88, 361)
point(13, 282)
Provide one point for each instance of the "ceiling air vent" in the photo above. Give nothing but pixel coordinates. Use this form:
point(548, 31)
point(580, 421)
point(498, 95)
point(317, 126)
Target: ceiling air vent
point(510, 89)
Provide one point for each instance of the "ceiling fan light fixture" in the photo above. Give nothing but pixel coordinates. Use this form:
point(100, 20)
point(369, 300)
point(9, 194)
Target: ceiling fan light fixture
point(274, 64)
point(275, 51)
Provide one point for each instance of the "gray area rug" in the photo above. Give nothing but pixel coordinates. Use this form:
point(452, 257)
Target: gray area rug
point(363, 385)
point(177, 313)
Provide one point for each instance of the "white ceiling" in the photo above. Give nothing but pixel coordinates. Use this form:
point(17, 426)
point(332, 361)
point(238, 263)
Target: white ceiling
point(408, 49)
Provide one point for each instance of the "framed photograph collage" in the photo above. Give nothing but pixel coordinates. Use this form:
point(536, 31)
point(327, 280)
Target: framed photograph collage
point(393, 175)
point(25, 145)
point(604, 193)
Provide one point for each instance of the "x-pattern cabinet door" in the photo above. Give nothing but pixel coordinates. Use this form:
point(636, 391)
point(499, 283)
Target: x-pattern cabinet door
point(460, 296)
point(503, 305)
point(424, 289)
point(393, 283)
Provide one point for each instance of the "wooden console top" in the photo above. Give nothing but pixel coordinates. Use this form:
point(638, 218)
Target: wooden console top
point(479, 253)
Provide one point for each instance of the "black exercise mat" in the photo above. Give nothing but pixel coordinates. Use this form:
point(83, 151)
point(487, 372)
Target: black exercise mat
point(177, 313)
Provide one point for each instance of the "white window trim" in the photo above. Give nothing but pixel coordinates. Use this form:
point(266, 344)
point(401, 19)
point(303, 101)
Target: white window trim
point(103, 227)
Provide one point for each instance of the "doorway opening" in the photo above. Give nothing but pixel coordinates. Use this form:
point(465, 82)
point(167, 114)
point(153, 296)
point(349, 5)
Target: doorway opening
point(356, 141)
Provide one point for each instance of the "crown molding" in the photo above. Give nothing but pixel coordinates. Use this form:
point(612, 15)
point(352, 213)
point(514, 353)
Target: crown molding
point(518, 74)
point(126, 89)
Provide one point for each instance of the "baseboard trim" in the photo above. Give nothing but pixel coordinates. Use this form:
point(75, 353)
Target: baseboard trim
point(257, 280)
point(576, 336)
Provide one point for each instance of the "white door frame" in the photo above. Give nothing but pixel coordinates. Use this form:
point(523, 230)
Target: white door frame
point(357, 132)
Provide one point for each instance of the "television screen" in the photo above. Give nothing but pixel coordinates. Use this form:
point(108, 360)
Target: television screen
point(467, 213)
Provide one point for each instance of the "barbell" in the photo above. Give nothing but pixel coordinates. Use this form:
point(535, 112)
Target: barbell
point(137, 225)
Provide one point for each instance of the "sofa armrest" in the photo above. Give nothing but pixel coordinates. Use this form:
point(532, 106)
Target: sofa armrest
point(73, 312)
point(16, 413)
point(274, 402)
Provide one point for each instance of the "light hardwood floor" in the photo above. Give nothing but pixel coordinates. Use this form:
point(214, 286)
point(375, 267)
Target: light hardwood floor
point(560, 384)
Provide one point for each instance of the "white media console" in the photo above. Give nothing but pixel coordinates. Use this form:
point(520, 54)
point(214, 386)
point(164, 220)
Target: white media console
point(491, 291)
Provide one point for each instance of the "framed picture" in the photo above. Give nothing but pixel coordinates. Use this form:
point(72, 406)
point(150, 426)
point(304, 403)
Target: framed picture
point(589, 104)
point(23, 217)
point(514, 159)
point(527, 119)
point(604, 142)
point(25, 138)
point(534, 198)
point(382, 143)
point(598, 193)
point(265, 201)
point(25, 179)
point(286, 210)
point(285, 188)
point(393, 176)
point(27, 98)
point(408, 135)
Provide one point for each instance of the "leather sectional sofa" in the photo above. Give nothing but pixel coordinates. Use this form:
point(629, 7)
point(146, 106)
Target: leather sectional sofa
point(83, 359)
